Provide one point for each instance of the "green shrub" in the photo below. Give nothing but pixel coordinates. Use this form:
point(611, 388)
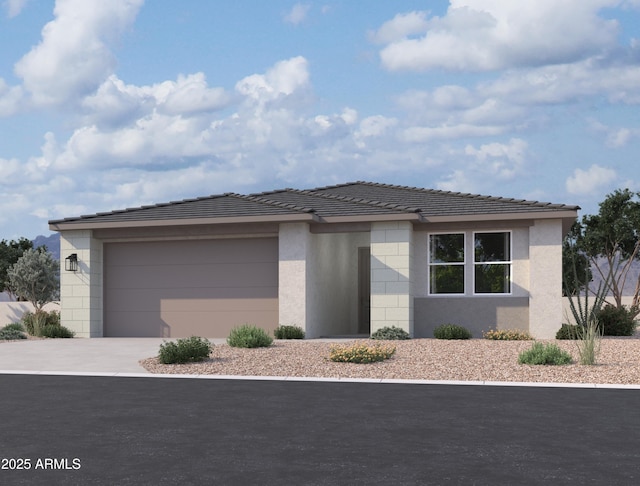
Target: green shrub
point(29, 320)
point(507, 335)
point(616, 321)
point(361, 352)
point(544, 354)
point(56, 331)
point(288, 332)
point(451, 331)
point(17, 326)
point(248, 336)
point(9, 334)
point(567, 331)
point(185, 350)
point(588, 342)
point(390, 333)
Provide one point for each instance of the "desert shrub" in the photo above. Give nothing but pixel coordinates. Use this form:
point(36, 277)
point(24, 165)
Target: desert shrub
point(17, 326)
point(34, 322)
point(288, 332)
point(616, 321)
point(248, 336)
point(567, 331)
point(56, 331)
point(10, 333)
point(588, 343)
point(185, 350)
point(390, 333)
point(507, 335)
point(544, 354)
point(361, 352)
point(451, 331)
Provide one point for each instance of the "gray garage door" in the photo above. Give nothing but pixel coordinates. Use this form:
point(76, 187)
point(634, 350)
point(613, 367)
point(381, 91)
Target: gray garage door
point(186, 288)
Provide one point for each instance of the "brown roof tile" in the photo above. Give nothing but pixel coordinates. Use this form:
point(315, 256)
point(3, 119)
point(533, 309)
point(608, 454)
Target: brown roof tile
point(355, 199)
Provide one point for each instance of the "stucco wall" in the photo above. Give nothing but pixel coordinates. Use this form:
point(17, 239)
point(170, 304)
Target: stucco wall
point(294, 242)
point(318, 279)
point(476, 314)
point(545, 277)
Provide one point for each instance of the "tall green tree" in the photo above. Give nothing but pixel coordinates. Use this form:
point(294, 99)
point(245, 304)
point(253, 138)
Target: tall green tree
point(611, 241)
point(10, 253)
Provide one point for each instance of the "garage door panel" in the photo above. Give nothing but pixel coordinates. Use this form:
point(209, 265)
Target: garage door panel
point(207, 275)
point(199, 252)
point(180, 289)
point(147, 299)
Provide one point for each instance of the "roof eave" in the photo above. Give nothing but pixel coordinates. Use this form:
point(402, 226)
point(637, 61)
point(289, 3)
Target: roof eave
point(366, 218)
point(88, 225)
point(560, 214)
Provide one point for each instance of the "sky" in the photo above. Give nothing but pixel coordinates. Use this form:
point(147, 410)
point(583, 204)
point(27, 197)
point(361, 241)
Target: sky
point(110, 105)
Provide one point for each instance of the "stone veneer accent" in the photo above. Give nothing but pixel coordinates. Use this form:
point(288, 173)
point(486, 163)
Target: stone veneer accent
point(81, 291)
point(391, 276)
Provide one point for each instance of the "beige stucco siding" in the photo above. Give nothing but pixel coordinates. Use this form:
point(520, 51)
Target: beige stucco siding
point(545, 277)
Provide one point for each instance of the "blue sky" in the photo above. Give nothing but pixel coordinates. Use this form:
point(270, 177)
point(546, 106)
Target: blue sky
point(107, 105)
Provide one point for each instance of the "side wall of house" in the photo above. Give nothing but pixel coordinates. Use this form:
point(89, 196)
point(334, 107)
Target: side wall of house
point(81, 291)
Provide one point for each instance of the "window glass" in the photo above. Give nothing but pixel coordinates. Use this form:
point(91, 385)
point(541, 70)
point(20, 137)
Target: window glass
point(446, 264)
point(492, 258)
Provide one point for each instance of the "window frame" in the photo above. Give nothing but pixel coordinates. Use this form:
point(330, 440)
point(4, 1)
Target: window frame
point(504, 262)
point(463, 264)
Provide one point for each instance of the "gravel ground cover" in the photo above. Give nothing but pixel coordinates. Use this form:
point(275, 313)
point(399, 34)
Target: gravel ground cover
point(422, 359)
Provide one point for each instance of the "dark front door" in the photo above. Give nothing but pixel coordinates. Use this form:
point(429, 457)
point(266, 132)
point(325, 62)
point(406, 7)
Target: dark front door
point(364, 290)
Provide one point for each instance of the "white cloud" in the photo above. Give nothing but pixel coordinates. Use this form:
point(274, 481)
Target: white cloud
point(503, 161)
point(14, 7)
point(481, 35)
point(297, 14)
point(485, 169)
point(585, 182)
point(77, 42)
point(283, 79)
point(10, 99)
point(400, 27)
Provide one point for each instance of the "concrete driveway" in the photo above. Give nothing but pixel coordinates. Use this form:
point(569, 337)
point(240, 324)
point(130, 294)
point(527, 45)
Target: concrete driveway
point(100, 355)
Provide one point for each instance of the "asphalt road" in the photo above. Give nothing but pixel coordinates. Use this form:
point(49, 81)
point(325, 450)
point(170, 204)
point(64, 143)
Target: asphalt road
point(79, 430)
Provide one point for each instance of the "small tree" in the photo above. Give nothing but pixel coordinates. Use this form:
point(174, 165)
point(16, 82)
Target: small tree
point(36, 278)
point(611, 241)
point(10, 253)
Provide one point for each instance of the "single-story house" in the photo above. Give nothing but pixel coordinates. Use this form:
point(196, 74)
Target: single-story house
point(346, 259)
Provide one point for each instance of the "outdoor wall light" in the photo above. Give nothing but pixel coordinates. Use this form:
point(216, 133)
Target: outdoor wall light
point(71, 263)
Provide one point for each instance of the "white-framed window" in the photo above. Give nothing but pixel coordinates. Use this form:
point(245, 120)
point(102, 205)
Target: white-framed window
point(446, 256)
point(492, 262)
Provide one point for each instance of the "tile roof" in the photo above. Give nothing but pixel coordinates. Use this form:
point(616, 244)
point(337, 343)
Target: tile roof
point(355, 199)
